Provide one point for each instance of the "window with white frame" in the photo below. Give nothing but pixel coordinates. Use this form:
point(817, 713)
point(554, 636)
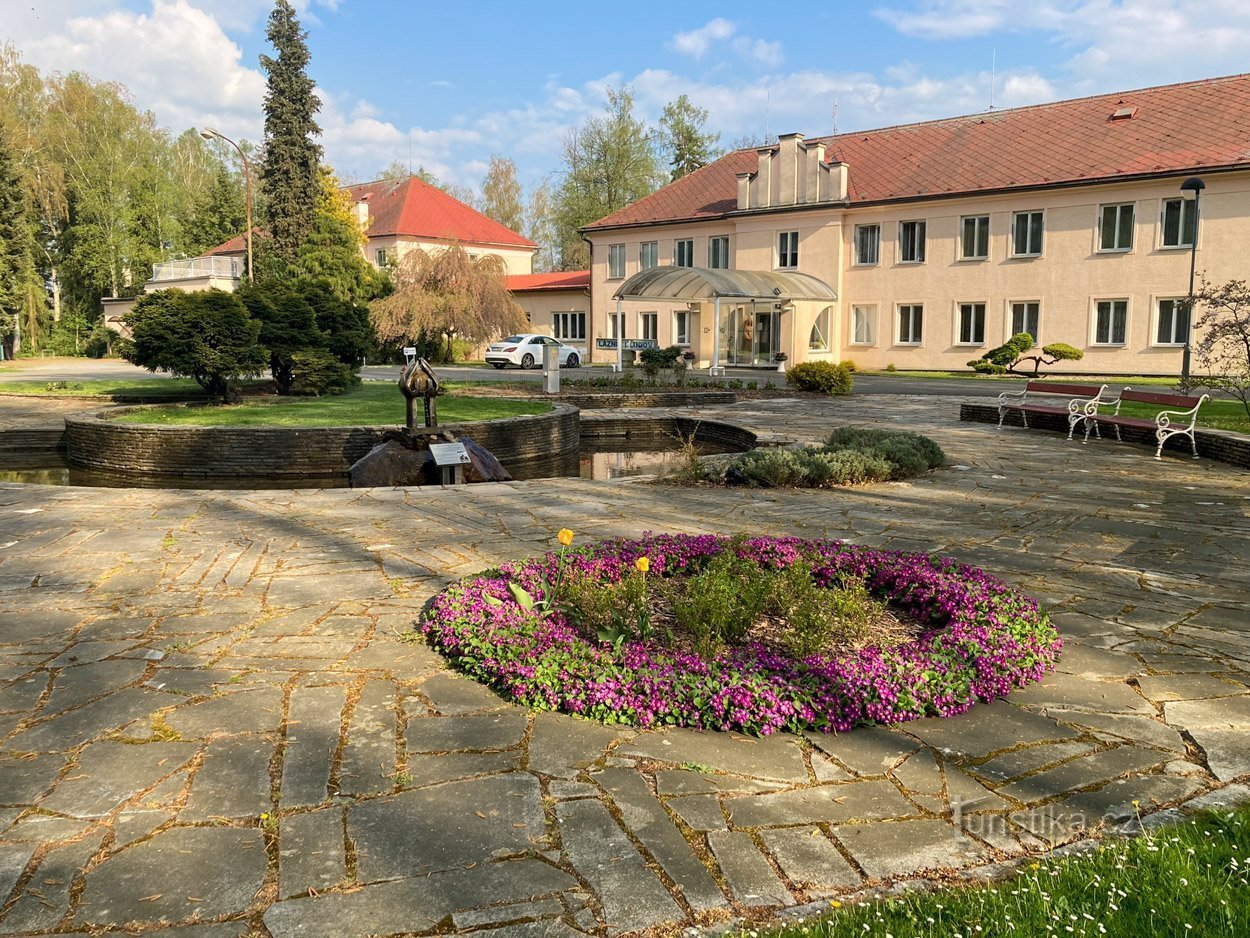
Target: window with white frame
point(681, 327)
point(1115, 227)
point(648, 326)
point(1172, 323)
point(383, 257)
point(911, 237)
point(1026, 234)
point(648, 255)
point(570, 326)
point(616, 261)
point(867, 243)
point(1026, 317)
point(818, 340)
point(1179, 223)
point(788, 249)
point(863, 325)
point(974, 237)
point(1111, 322)
point(718, 252)
point(971, 324)
point(683, 252)
point(910, 323)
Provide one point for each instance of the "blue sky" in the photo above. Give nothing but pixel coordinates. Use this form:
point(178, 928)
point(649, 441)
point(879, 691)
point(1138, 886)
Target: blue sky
point(453, 83)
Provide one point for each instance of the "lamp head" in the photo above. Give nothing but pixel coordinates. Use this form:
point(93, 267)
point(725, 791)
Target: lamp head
point(1193, 184)
point(209, 134)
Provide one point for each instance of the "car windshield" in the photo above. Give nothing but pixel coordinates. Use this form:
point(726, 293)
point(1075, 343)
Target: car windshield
point(514, 338)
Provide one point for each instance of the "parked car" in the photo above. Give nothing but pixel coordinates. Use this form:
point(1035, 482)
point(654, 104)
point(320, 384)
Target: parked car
point(526, 351)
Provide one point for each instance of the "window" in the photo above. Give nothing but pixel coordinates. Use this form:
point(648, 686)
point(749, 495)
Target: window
point(1173, 323)
point(683, 251)
point(681, 327)
point(1026, 234)
point(974, 242)
point(971, 324)
point(867, 243)
point(818, 341)
point(863, 325)
point(718, 252)
point(911, 236)
point(616, 326)
point(1179, 223)
point(788, 249)
point(648, 255)
point(383, 257)
point(1111, 322)
point(1024, 318)
point(910, 323)
point(648, 327)
point(1116, 227)
point(616, 261)
point(569, 326)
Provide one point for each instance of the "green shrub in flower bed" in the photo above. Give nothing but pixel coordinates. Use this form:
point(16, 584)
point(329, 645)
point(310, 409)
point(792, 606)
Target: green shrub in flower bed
point(753, 634)
point(850, 456)
point(821, 377)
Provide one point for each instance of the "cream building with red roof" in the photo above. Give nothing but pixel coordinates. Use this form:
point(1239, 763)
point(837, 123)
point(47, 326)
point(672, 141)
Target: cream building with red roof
point(942, 239)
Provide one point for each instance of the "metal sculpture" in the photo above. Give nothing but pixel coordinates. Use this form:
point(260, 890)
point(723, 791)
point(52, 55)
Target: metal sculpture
point(418, 380)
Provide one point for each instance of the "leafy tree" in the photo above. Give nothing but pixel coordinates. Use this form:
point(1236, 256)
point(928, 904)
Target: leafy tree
point(540, 227)
point(219, 214)
point(287, 325)
point(208, 336)
point(501, 194)
point(445, 292)
point(19, 287)
point(333, 252)
point(683, 140)
point(1223, 351)
point(1006, 357)
point(398, 170)
point(609, 162)
point(290, 176)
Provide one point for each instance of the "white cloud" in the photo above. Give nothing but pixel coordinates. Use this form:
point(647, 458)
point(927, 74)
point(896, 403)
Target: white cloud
point(766, 53)
point(949, 19)
point(697, 42)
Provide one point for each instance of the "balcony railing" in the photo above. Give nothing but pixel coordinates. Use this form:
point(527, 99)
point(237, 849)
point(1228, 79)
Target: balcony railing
point(223, 267)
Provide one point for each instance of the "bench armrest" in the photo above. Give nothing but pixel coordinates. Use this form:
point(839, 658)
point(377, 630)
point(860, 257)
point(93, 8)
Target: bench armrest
point(1165, 418)
point(1012, 397)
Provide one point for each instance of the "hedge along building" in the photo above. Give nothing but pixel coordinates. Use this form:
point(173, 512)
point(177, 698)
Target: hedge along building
point(942, 239)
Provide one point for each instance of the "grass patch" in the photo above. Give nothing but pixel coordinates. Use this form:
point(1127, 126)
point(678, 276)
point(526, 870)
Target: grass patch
point(1216, 415)
point(123, 387)
point(1114, 381)
point(371, 404)
point(1192, 879)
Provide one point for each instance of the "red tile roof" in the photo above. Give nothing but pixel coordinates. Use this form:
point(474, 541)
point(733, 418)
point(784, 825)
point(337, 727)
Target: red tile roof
point(411, 208)
point(562, 280)
point(236, 245)
point(1190, 127)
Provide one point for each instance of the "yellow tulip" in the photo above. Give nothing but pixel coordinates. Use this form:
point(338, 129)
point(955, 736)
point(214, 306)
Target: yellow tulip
point(565, 537)
point(642, 564)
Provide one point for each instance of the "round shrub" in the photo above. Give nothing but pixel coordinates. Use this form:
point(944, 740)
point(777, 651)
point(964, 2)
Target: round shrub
point(976, 639)
point(821, 377)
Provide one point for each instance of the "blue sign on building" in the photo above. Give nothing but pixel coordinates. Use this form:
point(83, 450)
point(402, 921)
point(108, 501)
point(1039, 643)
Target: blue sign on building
point(629, 343)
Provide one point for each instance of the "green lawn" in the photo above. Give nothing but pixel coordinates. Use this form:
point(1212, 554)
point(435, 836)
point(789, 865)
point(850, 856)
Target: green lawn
point(371, 404)
point(127, 387)
point(1188, 880)
point(1122, 381)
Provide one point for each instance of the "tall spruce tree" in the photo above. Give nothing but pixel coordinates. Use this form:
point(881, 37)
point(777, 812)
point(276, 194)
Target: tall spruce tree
point(16, 250)
point(290, 176)
point(681, 129)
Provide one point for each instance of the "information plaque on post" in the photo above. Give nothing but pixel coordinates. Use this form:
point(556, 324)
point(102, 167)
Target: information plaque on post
point(451, 458)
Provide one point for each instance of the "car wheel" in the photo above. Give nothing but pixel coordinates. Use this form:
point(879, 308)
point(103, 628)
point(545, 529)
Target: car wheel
point(498, 365)
point(527, 360)
point(573, 362)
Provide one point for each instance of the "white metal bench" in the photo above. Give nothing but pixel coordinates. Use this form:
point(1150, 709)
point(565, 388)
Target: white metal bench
point(1043, 397)
point(1165, 423)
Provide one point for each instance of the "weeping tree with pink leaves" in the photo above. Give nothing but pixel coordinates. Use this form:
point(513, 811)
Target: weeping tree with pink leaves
point(1223, 348)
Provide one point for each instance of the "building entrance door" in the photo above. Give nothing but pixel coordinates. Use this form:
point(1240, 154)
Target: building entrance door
point(750, 336)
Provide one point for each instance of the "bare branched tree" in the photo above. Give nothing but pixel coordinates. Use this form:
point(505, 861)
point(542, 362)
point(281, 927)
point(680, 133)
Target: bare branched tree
point(1223, 349)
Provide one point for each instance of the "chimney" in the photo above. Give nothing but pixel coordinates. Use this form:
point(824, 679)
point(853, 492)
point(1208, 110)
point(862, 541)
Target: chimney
point(361, 208)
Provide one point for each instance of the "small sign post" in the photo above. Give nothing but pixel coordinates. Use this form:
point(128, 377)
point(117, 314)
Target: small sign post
point(451, 458)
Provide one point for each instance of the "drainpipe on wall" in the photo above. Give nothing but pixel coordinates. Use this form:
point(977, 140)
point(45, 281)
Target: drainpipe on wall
point(590, 292)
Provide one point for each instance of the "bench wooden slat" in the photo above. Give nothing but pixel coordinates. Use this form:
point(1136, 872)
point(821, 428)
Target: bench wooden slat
point(1182, 401)
point(1058, 387)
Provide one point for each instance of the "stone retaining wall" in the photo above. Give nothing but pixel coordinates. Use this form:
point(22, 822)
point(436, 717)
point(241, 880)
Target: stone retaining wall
point(647, 431)
point(525, 445)
point(591, 400)
point(1220, 445)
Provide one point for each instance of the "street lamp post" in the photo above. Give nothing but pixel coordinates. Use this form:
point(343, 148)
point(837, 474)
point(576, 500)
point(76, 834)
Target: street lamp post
point(209, 134)
point(1195, 185)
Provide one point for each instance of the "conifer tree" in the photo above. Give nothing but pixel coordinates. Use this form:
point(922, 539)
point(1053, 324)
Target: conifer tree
point(16, 250)
point(681, 129)
point(290, 176)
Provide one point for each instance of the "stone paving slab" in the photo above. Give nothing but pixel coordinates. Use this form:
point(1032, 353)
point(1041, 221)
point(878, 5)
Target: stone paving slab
point(254, 633)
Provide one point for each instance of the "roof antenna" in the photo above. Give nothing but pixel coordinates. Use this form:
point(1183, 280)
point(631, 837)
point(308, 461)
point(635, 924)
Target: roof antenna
point(835, 116)
point(993, 75)
point(410, 154)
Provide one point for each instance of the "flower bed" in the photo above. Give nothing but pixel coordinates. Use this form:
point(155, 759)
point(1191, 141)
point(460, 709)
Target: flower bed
point(979, 639)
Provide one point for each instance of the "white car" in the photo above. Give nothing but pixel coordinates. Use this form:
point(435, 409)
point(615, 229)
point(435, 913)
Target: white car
point(526, 351)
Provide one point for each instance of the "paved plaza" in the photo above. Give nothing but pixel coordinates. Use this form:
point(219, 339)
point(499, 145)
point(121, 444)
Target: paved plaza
point(214, 720)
